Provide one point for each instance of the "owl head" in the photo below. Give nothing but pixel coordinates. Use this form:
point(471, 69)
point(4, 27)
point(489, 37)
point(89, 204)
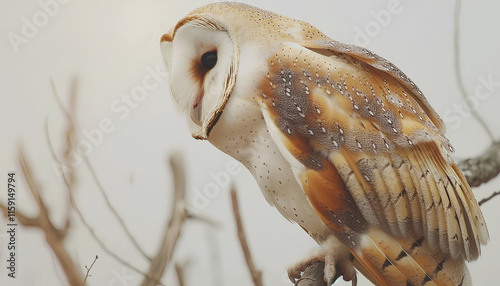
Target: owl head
point(208, 48)
point(202, 56)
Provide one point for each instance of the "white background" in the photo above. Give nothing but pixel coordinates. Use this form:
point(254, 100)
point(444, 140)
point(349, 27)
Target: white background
point(108, 46)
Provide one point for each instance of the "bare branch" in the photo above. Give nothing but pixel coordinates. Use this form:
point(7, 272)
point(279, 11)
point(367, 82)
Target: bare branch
point(256, 274)
point(70, 131)
point(173, 230)
point(84, 220)
point(114, 211)
point(206, 220)
point(482, 168)
point(21, 217)
point(55, 237)
point(69, 181)
point(33, 187)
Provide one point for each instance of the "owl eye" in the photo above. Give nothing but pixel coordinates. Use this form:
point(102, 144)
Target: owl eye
point(209, 59)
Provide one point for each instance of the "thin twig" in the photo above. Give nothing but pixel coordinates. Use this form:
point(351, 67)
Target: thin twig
point(458, 71)
point(113, 209)
point(70, 131)
point(256, 274)
point(69, 181)
point(214, 257)
point(71, 178)
point(205, 220)
point(173, 230)
point(489, 198)
point(88, 270)
point(179, 270)
point(84, 220)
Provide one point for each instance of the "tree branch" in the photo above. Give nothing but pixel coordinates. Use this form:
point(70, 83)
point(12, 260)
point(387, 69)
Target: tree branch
point(256, 274)
point(86, 224)
point(485, 200)
point(69, 180)
point(113, 209)
point(54, 236)
point(481, 169)
point(173, 230)
point(313, 275)
point(21, 217)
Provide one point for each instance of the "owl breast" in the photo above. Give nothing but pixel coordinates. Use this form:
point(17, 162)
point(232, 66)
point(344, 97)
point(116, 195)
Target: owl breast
point(241, 132)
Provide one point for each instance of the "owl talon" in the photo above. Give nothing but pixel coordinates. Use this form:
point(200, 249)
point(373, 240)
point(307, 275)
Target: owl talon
point(336, 258)
point(348, 271)
point(354, 280)
point(295, 270)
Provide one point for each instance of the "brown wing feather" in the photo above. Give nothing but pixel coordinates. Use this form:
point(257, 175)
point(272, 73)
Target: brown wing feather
point(372, 153)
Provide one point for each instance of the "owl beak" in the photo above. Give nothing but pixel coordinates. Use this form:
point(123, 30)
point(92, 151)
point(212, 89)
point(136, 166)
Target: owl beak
point(203, 132)
point(199, 129)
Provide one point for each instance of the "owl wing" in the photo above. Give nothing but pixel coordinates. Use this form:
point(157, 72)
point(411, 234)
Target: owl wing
point(368, 150)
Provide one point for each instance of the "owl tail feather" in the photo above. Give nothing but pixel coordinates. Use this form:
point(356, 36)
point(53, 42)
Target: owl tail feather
point(388, 261)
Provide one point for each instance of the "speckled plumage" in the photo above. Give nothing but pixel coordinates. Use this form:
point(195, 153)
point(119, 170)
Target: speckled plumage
point(340, 141)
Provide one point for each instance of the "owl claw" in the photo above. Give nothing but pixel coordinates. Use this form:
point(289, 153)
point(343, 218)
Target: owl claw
point(354, 280)
point(295, 270)
point(336, 257)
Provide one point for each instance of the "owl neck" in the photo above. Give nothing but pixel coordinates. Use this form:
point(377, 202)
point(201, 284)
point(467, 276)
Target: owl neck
point(241, 131)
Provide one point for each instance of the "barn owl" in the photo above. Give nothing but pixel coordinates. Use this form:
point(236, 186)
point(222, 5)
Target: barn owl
point(340, 141)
